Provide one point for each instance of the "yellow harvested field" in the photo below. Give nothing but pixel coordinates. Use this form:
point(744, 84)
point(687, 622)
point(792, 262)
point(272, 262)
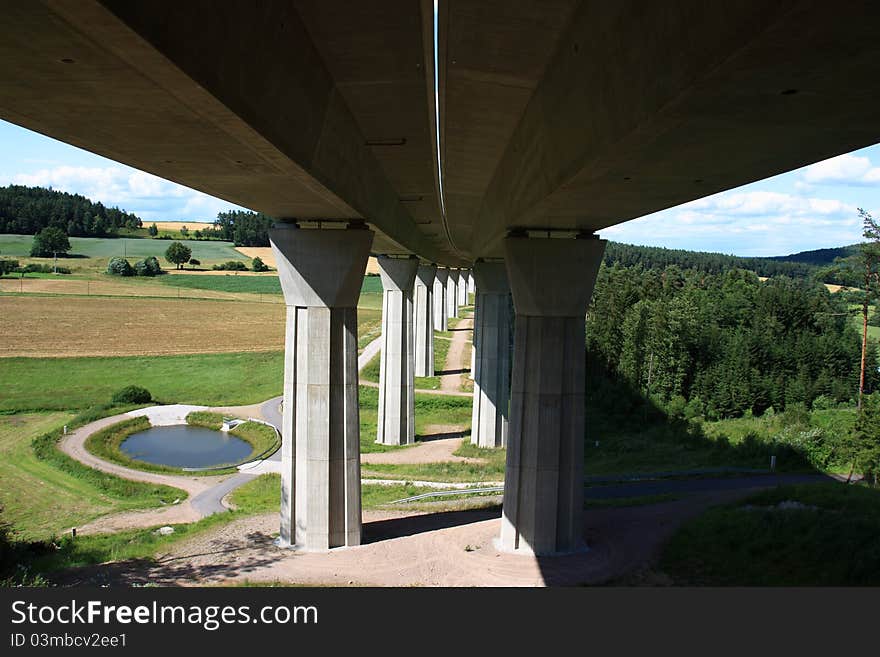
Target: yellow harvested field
point(265, 254)
point(89, 326)
point(177, 225)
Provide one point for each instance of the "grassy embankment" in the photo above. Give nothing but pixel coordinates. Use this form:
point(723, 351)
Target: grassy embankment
point(258, 496)
point(106, 442)
point(45, 492)
point(78, 383)
point(809, 535)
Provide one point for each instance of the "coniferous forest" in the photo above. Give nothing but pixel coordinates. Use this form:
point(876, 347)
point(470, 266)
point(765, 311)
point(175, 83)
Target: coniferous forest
point(28, 210)
point(720, 345)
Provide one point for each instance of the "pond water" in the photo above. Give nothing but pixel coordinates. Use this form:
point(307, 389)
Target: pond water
point(183, 446)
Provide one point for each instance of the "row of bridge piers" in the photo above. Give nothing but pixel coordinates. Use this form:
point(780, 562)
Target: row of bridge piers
point(529, 392)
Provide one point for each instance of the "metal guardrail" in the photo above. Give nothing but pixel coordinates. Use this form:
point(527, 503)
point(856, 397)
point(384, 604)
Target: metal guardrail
point(449, 493)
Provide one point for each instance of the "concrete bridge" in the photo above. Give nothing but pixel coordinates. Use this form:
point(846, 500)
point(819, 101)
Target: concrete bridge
point(495, 136)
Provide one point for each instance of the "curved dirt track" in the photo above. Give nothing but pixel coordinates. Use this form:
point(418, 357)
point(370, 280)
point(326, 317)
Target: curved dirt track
point(454, 548)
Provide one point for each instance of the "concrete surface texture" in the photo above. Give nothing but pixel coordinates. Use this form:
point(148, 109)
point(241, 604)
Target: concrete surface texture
point(685, 93)
point(452, 294)
point(491, 356)
point(551, 281)
point(321, 273)
point(423, 320)
point(464, 278)
point(440, 296)
point(396, 425)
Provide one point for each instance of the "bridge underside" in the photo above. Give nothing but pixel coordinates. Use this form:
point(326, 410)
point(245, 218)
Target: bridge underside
point(552, 118)
point(553, 113)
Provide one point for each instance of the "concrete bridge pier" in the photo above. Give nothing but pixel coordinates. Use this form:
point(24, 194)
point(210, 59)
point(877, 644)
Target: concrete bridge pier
point(471, 284)
point(551, 281)
point(396, 424)
point(463, 277)
point(490, 362)
point(452, 294)
point(440, 299)
point(321, 273)
point(423, 318)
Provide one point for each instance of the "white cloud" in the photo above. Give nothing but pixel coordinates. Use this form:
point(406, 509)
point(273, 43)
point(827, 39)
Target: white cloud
point(843, 169)
point(148, 196)
point(746, 223)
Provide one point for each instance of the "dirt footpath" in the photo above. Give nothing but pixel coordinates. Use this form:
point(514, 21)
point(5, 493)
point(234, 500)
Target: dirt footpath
point(431, 451)
point(457, 356)
point(415, 549)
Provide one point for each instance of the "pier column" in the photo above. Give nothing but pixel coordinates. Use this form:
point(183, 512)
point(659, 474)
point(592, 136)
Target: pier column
point(490, 362)
point(440, 302)
point(423, 318)
point(321, 273)
point(463, 278)
point(396, 384)
point(452, 294)
point(551, 281)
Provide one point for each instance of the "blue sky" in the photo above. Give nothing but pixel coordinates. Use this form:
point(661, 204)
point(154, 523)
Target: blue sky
point(810, 208)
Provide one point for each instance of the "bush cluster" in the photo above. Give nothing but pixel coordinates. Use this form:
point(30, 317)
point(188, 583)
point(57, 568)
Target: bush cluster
point(13, 267)
point(147, 267)
point(231, 265)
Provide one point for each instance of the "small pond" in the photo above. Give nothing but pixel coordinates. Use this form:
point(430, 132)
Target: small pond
point(183, 446)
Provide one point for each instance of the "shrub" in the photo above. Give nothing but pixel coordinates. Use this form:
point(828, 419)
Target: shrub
point(231, 265)
point(193, 261)
point(132, 395)
point(148, 267)
point(823, 403)
point(120, 267)
point(8, 266)
point(796, 415)
point(258, 265)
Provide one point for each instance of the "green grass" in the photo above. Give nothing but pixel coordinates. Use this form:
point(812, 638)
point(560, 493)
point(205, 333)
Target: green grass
point(491, 470)
point(446, 411)
point(369, 326)
point(230, 282)
point(205, 419)
point(441, 349)
point(45, 492)
point(120, 546)
point(106, 442)
point(837, 543)
point(133, 249)
point(225, 283)
point(76, 383)
point(262, 495)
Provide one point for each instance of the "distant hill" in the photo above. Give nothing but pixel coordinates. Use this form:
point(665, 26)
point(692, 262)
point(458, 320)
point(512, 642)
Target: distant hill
point(654, 257)
point(819, 256)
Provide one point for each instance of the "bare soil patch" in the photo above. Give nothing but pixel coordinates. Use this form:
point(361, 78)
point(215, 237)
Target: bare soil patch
point(407, 548)
point(431, 451)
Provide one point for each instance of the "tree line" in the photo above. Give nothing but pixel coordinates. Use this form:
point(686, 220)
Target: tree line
point(244, 228)
point(723, 344)
point(28, 210)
